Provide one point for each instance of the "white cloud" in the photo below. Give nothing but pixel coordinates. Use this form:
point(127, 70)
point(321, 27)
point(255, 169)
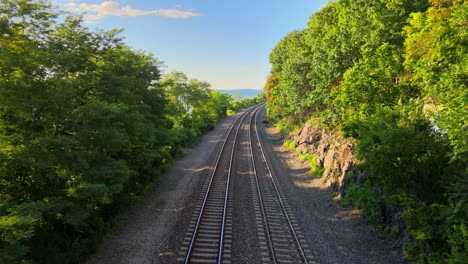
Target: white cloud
point(95, 12)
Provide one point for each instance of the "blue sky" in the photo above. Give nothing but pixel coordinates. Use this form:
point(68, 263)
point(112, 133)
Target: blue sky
point(226, 43)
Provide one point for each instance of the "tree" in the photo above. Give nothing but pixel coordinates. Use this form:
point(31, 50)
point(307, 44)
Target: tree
point(194, 107)
point(437, 60)
point(290, 66)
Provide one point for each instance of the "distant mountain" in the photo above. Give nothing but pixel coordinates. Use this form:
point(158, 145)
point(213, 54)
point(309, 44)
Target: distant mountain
point(245, 93)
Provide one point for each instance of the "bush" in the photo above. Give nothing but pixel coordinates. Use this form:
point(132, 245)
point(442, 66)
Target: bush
point(439, 230)
point(401, 152)
point(312, 158)
point(367, 198)
point(289, 144)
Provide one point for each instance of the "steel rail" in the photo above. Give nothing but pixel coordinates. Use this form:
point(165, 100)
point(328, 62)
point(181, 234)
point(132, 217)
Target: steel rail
point(259, 192)
point(293, 231)
point(221, 239)
point(205, 199)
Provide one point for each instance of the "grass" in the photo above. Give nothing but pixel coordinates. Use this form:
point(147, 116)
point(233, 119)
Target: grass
point(312, 158)
point(230, 112)
point(289, 144)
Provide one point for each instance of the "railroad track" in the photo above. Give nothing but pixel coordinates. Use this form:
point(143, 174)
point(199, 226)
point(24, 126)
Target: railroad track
point(210, 231)
point(281, 239)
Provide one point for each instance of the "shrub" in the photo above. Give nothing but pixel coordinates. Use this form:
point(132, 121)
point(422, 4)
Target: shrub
point(312, 158)
point(289, 144)
point(401, 152)
point(366, 198)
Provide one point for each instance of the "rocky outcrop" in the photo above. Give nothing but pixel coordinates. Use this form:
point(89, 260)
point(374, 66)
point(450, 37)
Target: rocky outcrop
point(334, 154)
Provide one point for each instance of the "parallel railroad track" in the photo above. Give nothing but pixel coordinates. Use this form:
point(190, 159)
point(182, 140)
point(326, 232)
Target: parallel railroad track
point(209, 237)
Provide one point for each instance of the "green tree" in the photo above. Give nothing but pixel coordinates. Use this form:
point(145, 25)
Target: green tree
point(437, 61)
point(290, 66)
point(194, 108)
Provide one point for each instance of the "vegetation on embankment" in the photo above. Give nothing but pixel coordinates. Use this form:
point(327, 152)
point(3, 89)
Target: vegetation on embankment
point(86, 125)
point(392, 76)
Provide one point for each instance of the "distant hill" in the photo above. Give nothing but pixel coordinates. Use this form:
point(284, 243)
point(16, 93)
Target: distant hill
point(245, 93)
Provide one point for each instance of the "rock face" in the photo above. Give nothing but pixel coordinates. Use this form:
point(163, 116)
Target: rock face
point(334, 154)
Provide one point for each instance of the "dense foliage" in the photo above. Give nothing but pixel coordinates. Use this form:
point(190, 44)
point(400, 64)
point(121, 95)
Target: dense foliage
point(86, 125)
point(393, 75)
